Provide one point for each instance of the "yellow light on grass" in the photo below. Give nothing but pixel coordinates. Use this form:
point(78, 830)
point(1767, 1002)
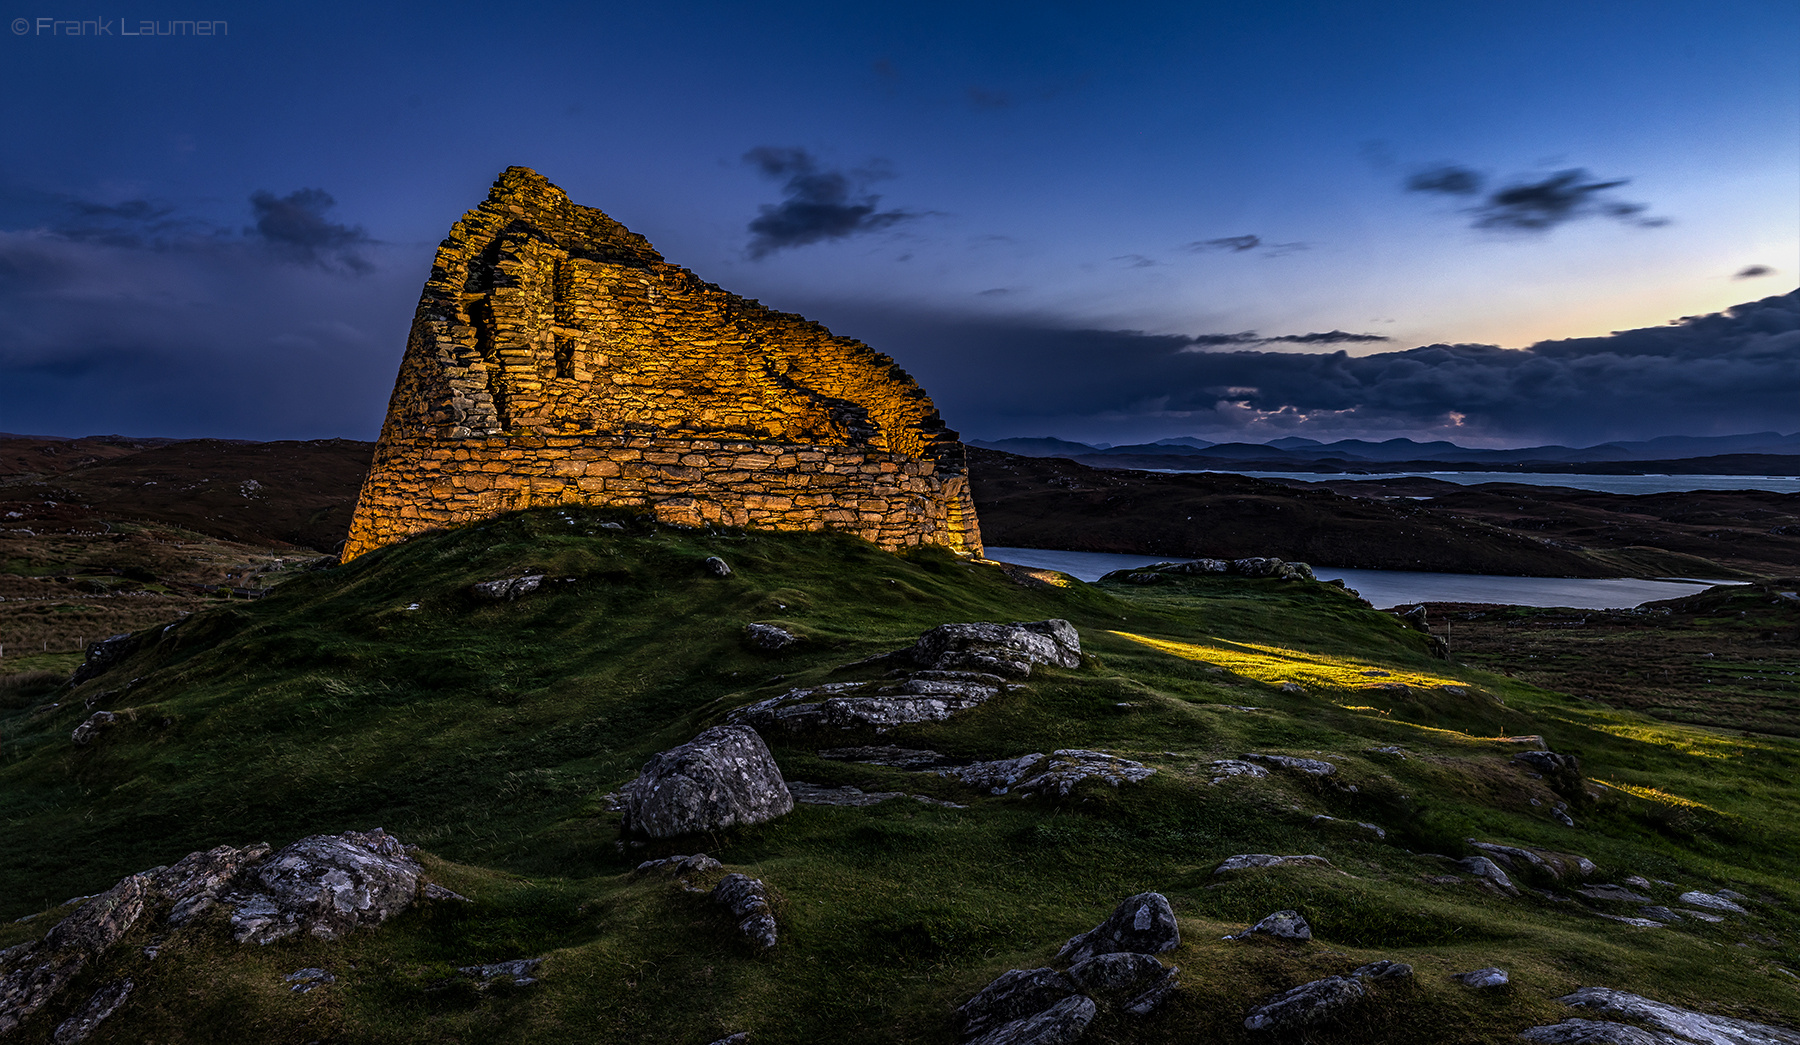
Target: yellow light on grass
point(1275, 665)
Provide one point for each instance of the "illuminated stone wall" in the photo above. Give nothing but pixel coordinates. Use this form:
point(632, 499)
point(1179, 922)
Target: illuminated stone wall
point(557, 359)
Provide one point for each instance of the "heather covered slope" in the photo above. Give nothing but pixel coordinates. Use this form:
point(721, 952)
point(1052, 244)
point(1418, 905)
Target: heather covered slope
point(488, 733)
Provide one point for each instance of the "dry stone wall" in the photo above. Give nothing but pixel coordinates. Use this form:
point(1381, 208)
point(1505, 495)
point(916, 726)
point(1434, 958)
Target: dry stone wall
point(556, 358)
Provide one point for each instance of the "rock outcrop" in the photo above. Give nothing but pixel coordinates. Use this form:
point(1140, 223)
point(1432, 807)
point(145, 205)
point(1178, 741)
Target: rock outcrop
point(322, 886)
point(556, 358)
point(1009, 650)
point(1111, 967)
point(722, 778)
point(1666, 1024)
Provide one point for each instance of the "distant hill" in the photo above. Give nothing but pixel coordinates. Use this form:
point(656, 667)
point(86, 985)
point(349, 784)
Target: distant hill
point(1754, 453)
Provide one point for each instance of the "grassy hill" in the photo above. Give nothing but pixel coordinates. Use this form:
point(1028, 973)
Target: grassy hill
point(382, 693)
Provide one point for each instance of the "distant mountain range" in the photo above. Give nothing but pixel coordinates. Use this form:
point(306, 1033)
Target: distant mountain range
point(1734, 453)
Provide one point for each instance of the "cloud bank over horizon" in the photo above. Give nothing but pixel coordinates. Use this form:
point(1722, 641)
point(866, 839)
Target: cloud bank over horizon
point(1719, 374)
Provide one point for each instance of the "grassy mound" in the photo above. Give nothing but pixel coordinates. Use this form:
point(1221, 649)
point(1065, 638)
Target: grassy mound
point(383, 693)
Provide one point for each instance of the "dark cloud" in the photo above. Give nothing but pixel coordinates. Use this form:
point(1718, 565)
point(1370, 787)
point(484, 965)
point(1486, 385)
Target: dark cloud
point(1243, 244)
point(1753, 271)
point(820, 204)
point(1330, 337)
point(1236, 244)
point(1448, 179)
point(294, 226)
point(1250, 337)
point(1729, 372)
point(1534, 205)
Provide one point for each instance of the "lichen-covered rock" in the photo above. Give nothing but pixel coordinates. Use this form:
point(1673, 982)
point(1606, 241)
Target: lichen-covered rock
point(1056, 773)
point(1687, 1025)
point(1013, 995)
point(724, 777)
point(1489, 872)
point(748, 901)
point(680, 866)
point(1309, 766)
point(325, 886)
point(768, 637)
point(1141, 924)
point(1384, 969)
point(1009, 650)
point(1612, 893)
point(1307, 1005)
point(1136, 983)
point(717, 567)
point(520, 972)
point(1282, 925)
point(1226, 768)
point(1519, 858)
point(505, 589)
point(925, 696)
point(103, 1003)
point(1060, 1024)
point(195, 883)
point(1483, 979)
point(1248, 861)
point(32, 974)
point(307, 980)
point(1596, 1032)
point(1710, 901)
point(92, 726)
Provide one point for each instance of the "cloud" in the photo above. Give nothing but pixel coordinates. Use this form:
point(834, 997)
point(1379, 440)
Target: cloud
point(1716, 374)
point(1235, 244)
point(1250, 337)
point(1243, 244)
point(294, 226)
point(1136, 261)
point(1753, 271)
point(1534, 206)
point(820, 204)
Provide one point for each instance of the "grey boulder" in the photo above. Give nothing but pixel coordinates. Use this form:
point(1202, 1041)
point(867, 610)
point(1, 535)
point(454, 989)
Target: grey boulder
point(325, 886)
point(768, 637)
point(1684, 1025)
point(91, 727)
point(923, 696)
point(1009, 650)
point(1710, 901)
point(1060, 1024)
point(1056, 773)
point(505, 589)
point(1013, 995)
point(1596, 1032)
point(1282, 925)
point(1141, 924)
point(722, 778)
point(1306, 1005)
point(748, 901)
point(1309, 766)
point(1136, 983)
point(1483, 979)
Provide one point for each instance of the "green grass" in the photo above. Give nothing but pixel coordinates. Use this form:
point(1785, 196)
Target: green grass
point(488, 734)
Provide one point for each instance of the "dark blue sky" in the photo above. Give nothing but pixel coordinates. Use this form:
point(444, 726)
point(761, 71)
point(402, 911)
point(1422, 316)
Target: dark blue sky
point(226, 235)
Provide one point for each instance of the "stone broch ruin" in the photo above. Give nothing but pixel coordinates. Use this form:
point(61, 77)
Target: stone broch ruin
point(556, 358)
